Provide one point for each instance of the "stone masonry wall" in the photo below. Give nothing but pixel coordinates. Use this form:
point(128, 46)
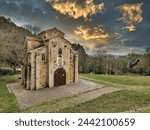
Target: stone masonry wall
point(45, 56)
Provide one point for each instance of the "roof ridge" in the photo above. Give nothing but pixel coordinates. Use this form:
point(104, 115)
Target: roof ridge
point(50, 30)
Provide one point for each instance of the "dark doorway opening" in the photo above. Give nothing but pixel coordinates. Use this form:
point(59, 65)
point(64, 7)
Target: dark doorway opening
point(60, 77)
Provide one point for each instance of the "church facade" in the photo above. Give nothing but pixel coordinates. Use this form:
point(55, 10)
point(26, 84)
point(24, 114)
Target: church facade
point(49, 61)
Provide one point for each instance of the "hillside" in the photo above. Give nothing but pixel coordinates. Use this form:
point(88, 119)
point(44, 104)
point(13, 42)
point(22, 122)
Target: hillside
point(10, 33)
point(11, 42)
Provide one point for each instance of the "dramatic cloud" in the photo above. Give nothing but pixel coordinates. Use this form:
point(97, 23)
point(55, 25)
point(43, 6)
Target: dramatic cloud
point(77, 8)
point(132, 13)
point(130, 27)
point(95, 33)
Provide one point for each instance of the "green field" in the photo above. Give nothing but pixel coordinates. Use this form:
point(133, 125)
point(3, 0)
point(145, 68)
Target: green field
point(134, 94)
point(8, 102)
point(128, 82)
point(121, 101)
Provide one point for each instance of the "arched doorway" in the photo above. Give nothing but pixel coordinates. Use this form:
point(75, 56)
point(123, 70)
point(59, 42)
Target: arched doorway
point(59, 77)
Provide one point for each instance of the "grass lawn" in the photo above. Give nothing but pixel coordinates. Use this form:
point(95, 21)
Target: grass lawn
point(120, 101)
point(8, 102)
point(128, 82)
point(144, 111)
point(135, 94)
point(114, 102)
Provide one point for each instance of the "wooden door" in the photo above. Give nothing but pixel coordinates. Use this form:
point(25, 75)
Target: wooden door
point(59, 77)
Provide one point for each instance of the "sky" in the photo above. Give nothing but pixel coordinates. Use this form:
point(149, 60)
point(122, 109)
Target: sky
point(114, 27)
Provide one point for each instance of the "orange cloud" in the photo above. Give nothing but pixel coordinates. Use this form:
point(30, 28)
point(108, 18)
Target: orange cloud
point(131, 13)
point(91, 33)
point(76, 10)
point(130, 28)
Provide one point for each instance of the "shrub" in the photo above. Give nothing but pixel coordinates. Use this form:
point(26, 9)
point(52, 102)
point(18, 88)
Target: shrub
point(8, 72)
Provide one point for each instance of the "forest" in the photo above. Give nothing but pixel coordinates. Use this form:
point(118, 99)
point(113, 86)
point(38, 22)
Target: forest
point(113, 65)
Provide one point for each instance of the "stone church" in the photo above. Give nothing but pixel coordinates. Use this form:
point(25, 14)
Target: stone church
point(49, 61)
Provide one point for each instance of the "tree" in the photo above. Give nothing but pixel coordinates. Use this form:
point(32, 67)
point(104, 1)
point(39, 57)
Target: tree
point(134, 59)
point(83, 57)
point(147, 50)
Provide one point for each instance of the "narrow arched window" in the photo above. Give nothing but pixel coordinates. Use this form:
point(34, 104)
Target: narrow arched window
point(60, 51)
point(43, 57)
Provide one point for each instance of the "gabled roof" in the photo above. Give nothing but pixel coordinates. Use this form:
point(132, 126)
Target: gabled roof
point(61, 38)
point(33, 38)
point(36, 49)
point(50, 30)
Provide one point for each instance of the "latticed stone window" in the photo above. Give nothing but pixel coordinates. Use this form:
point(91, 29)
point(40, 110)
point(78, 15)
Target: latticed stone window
point(60, 51)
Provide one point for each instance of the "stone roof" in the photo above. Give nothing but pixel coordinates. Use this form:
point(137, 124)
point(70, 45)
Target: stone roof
point(36, 49)
point(50, 30)
point(33, 38)
point(63, 39)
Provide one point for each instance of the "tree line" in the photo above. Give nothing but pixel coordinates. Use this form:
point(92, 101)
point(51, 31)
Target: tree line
point(110, 64)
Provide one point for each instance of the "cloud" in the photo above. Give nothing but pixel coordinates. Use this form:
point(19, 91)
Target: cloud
point(77, 8)
point(130, 28)
point(94, 33)
point(33, 28)
point(92, 38)
point(131, 14)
